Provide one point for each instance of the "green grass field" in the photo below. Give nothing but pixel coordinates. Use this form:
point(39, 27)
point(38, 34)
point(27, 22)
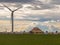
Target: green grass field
point(29, 39)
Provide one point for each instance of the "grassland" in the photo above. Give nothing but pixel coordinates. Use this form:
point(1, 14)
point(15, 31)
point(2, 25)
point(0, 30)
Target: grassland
point(29, 39)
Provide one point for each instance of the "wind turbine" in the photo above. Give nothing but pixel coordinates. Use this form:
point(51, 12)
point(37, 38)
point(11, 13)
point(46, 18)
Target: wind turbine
point(12, 15)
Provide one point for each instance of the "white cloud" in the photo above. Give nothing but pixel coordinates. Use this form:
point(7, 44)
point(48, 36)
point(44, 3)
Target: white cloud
point(37, 8)
point(45, 1)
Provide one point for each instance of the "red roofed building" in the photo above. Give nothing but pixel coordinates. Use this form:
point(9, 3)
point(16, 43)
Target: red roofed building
point(36, 30)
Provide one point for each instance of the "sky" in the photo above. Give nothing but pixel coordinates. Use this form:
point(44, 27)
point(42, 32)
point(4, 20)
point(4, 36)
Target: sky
point(34, 10)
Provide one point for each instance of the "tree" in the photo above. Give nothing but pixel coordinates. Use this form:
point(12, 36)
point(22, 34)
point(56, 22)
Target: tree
point(46, 32)
point(56, 31)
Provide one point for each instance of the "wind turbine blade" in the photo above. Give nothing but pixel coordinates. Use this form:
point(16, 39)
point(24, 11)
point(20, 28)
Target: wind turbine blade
point(18, 8)
point(7, 7)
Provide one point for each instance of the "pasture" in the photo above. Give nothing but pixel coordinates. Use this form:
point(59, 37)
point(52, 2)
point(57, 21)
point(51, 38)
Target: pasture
point(29, 39)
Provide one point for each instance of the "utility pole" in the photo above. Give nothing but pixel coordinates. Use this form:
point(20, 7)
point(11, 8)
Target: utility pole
point(12, 16)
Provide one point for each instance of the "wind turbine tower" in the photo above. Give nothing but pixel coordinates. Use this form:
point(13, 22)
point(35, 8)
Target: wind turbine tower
point(12, 15)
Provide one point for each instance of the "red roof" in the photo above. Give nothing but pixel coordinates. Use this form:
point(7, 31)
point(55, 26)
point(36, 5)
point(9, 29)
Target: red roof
point(36, 29)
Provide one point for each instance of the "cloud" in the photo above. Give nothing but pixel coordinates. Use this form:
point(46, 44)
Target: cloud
point(55, 2)
point(48, 6)
point(21, 1)
point(39, 5)
point(44, 6)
